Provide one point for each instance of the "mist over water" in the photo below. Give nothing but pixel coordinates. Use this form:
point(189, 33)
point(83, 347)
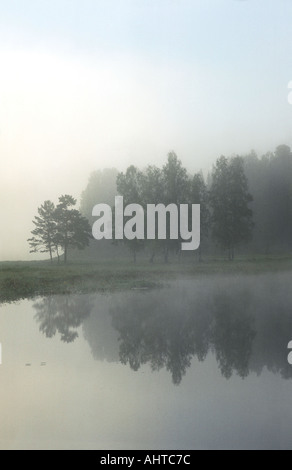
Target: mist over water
point(214, 346)
point(245, 322)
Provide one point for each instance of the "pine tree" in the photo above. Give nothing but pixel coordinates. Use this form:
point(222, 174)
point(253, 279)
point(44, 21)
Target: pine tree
point(230, 199)
point(73, 230)
point(129, 185)
point(44, 235)
point(59, 227)
point(176, 190)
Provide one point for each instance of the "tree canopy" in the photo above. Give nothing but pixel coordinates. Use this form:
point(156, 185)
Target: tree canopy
point(61, 227)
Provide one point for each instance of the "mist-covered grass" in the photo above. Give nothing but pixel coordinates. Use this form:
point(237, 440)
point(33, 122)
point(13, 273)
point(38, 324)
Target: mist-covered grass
point(31, 279)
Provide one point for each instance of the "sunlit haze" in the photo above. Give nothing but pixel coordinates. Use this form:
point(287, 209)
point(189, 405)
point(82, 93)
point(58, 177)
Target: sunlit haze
point(96, 84)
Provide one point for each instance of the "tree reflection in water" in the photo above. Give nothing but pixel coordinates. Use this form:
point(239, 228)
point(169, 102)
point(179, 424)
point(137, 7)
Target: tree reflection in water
point(169, 334)
point(63, 314)
point(246, 328)
point(232, 333)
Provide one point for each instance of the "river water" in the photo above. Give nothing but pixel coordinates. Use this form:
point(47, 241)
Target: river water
point(200, 364)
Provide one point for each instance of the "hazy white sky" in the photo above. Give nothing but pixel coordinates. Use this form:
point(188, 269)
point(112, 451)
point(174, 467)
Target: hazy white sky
point(101, 83)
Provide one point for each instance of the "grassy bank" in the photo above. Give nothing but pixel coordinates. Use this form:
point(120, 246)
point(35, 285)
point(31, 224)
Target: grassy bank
point(28, 280)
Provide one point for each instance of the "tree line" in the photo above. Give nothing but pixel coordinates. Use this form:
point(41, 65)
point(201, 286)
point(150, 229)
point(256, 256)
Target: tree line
point(246, 205)
point(270, 183)
point(224, 207)
point(226, 215)
point(246, 201)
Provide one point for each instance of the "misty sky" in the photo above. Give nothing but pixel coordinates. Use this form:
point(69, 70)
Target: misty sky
point(100, 83)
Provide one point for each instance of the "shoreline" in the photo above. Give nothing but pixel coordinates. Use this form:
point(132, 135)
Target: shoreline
point(27, 280)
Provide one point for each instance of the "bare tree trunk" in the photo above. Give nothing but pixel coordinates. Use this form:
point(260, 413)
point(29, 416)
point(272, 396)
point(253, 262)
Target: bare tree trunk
point(58, 254)
point(51, 255)
point(66, 248)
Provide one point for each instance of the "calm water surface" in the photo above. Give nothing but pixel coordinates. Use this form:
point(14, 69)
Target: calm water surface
point(201, 364)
